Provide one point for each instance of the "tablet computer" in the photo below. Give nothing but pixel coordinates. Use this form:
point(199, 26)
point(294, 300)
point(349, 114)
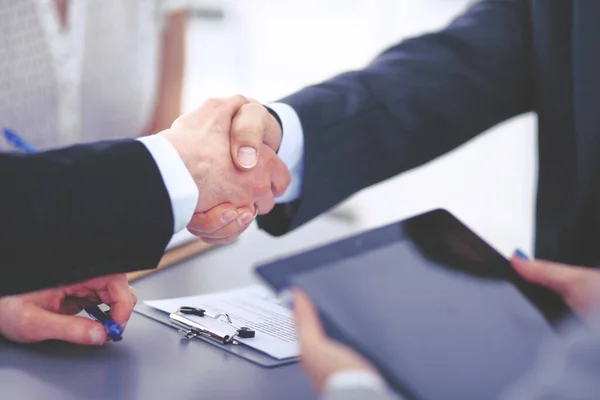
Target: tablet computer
point(438, 310)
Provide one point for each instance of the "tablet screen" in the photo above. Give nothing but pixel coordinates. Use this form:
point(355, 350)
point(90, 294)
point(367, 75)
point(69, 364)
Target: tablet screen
point(435, 308)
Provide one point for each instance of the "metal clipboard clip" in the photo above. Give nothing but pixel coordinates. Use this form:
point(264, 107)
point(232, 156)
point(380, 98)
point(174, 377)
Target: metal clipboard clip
point(192, 329)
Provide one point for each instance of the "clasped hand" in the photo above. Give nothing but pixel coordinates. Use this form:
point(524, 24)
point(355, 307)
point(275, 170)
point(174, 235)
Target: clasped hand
point(229, 146)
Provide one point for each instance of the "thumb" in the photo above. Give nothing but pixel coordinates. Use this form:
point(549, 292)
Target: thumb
point(554, 276)
point(67, 328)
point(252, 127)
point(308, 323)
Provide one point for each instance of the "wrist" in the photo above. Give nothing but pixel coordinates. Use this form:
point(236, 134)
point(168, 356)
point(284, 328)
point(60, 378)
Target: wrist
point(178, 173)
point(187, 152)
point(176, 141)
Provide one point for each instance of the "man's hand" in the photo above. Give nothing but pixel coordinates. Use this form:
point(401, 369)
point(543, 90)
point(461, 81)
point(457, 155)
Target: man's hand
point(50, 314)
point(578, 286)
point(252, 130)
point(202, 139)
point(321, 356)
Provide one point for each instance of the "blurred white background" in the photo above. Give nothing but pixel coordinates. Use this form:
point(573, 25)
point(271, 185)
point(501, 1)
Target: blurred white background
point(269, 48)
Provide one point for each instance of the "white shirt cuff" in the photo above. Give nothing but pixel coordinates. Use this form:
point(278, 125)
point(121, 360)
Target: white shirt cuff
point(354, 379)
point(180, 185)
point(291, 150)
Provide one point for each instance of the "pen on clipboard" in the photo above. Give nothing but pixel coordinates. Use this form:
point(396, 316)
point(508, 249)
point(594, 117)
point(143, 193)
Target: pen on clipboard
point(112, 329)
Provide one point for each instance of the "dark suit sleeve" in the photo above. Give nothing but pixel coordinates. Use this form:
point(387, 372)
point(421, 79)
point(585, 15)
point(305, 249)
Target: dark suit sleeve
point(80, 212)
point(415, 102)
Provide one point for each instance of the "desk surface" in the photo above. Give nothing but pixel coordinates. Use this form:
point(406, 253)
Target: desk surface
point(152, 362)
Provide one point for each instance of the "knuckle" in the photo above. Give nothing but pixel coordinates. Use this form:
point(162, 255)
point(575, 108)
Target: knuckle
point(27, 318)
point(287, 179)
point(262, 189)
point(134, 297)
point(200, 226)
point(26, 326)
point(203, 227)
point(213, 224)
point(281, 181)
point(267, 209)
point(254, 108)
point(279, 188)
point(213, 103)
point(262, 114)
point(239, 98)
point(276, 165)
point(196, 232)
point(224, 232)
point(244, 125)
point(267, 205)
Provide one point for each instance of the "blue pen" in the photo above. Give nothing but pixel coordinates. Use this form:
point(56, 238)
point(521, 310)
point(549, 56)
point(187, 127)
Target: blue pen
point(113, 329)
point(521, 254)
point(18, 142)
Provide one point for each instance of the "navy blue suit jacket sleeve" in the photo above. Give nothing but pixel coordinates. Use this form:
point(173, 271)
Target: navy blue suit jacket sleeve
point(73, 214)
point(415, 102)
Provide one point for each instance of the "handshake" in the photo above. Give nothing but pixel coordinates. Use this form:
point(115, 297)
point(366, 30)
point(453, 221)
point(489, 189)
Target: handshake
point(230, 146)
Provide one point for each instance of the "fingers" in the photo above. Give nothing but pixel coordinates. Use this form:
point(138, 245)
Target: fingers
point(35, 317)
point(45, 325)
point(122, 299)
point(308, 323)
point(251, 127)
point(265, 203)
point(578, 286)
point(273, 182)
point(208, 227)
point(133, 295)
point(551, 275)
point(280, 177)
point(226, 107)
point(233, 104)
point(213, 220)
point(213, 111)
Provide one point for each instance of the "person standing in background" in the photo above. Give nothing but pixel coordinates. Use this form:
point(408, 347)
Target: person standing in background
point(75, 71)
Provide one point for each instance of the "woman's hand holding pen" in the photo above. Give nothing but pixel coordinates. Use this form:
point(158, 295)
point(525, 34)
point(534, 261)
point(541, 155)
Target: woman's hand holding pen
point(50, 314)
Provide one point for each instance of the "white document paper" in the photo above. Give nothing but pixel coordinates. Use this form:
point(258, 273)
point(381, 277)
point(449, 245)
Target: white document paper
point(254, 307)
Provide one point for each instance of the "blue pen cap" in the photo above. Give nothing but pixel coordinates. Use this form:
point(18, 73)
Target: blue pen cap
point(113, 330)
point(521, 254)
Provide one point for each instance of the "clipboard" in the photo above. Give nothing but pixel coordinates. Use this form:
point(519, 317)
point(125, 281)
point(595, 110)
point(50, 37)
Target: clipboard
point(191, 331)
